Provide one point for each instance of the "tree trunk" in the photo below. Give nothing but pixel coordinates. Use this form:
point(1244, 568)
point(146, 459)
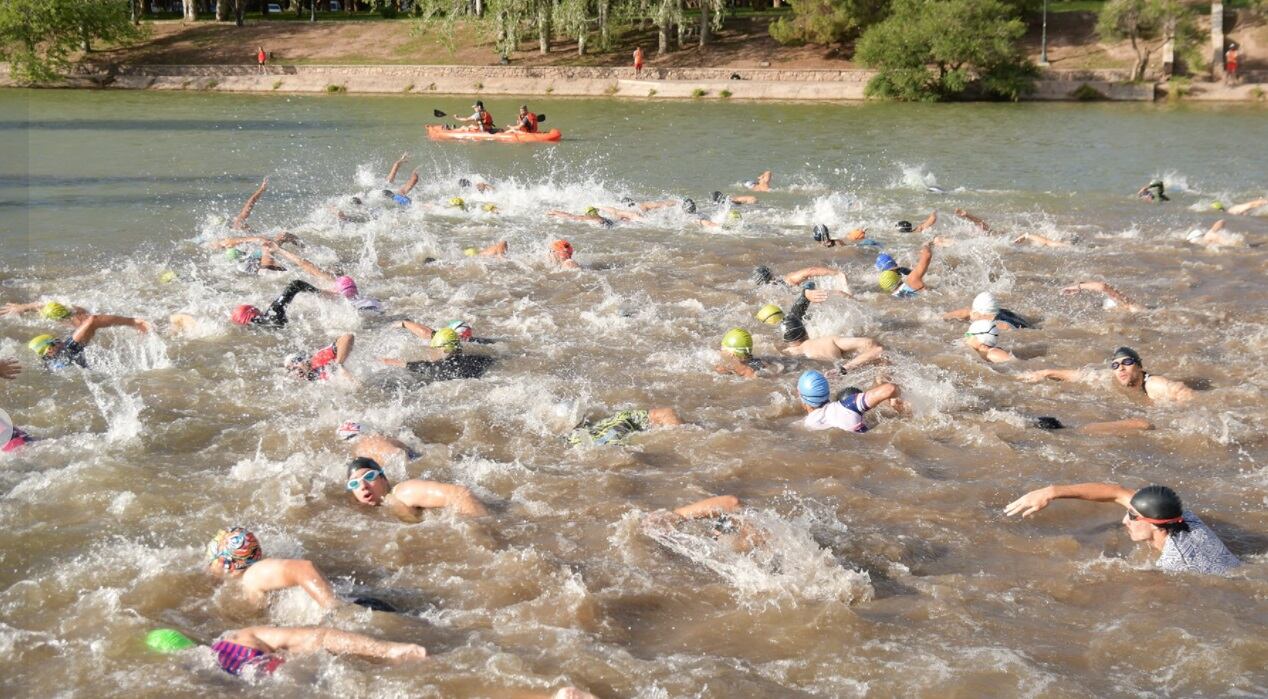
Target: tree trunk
point(605, 41)
point(543, 26)
point(662, 28)
point(704, 23)
point(479, 8)
point(85, 38)
point(143, 8)
point(239, 9)
point(581, 39)
point(682, 28)
point(191, 10)
point(222, 10)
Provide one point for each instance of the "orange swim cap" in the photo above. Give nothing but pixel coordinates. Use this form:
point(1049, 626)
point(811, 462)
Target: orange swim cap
point(562, 249)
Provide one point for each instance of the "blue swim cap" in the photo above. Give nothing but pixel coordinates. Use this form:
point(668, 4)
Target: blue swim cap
point(885, 263)
point(813, 388)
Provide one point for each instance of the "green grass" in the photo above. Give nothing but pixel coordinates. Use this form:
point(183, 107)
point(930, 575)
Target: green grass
point(1074, 6)
point(285, 17)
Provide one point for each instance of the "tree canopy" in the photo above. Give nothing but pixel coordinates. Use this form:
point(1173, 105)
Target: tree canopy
point(38, 38)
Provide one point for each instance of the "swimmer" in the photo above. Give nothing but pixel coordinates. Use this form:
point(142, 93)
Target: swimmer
point(1034, 238)
point(733, 200)
point(444, 359)
point(497, 249)
point(799, 278)
point(829, 348)
point(425, 333)
point(737, 355)
point(973, 220)
point(930, 221)
point(240, 221)
point(1243, 209)
point(686, 204)
point(340, 286)
point(1214, 238)
point(1005, 319)
point(846, 413)
point(761, 184)
point(373, 445)
point(590, 216)
point(894, 282)
point(1153, 192)
point(1128, 373)
point(253, 263)
point(616, 428)
point(823, 237)
point(1113, 297)
point(246, 314)
point(617, 214)
point(726, 525)
point(983, 333)
point(69, 351)
point(255, 650)
point(235, 554)
point(1155, 515)
point(49, 310)
point(561, 254)
point(369, 486)
point(479, 186)
point(9, 370)
point(324, 364)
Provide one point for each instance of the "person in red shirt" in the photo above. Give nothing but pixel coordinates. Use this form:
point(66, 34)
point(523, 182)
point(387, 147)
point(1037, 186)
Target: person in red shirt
point(261, 58)
point(638, 61)
point(1230, 65)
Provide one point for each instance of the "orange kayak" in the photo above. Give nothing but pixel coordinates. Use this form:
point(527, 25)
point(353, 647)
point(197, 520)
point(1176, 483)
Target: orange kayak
point(437, 132)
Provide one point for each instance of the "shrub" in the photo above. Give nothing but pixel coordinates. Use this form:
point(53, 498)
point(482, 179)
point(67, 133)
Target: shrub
point(725, 94)
point(277, 84)
point(336, 89)
point(1087, 93)
point(699, 92)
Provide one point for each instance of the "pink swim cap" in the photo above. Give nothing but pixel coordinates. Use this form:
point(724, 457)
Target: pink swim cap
point(346, 286)
point(244, 314)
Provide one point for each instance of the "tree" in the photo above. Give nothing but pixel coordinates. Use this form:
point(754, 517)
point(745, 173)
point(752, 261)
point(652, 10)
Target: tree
point(929, 50)
point(191, 10)
point(38, 38)
point(1147, 24)
point(827, 21)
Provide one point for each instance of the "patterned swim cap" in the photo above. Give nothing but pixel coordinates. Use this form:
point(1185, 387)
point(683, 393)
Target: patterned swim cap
point(55, 311)
point(235, 549)
point(889, 280)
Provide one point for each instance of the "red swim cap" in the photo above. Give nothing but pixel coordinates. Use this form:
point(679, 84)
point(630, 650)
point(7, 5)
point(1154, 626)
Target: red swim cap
point(244, 314)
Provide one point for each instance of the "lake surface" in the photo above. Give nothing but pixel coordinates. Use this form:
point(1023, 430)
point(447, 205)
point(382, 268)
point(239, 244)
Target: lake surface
point(887, 567)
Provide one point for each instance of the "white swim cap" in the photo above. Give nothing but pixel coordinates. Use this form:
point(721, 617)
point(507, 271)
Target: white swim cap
point(1195, 235)
point(984, 331)
point(985, 303)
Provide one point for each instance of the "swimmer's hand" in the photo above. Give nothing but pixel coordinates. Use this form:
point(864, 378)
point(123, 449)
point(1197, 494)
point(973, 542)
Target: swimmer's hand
point(142, 326)
point(661, 521)
point(1033, 376)
point(1030, 503)
point(1084, 286)
point(9, 368)
point(406, 651)
point(285, 237)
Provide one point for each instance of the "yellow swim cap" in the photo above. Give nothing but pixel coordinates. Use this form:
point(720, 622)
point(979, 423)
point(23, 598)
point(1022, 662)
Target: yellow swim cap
point(489, 207)
point(457, 203)
point(889, 280)
point(55, 311)
point(470, 252)
point(770, 314)
point(592, 211)
point(40, 344)
point(446, 339)
point(167, 277)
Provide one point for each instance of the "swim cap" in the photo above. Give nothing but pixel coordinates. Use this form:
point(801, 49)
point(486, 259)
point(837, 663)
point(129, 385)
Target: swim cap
point(885, 262)
point(464, 182)
point(1158, 504)
point(233, 254)
point(813, 389)
point(738, 341)
point(234, 549)
point(985, 331)
point(167, 641)
point(462, 328)
point(167, 277)
point(985, 303)
point(821, 233)
point(40, 344)
point(346, 286)
point(761, 275)
point(904, 227)
point(1156, 184)
point(55, 311)
point(562, 249)
point(592, 211)
point(889, 280)
point(628, 201)
point(689, 205)
point(750, 183)
point(244, 314)
point(1127, 352)
point(1195, 235)
point(770, 314)
point(362, 462)
point(457, 203)
point(445, 339)
point(718, 197)
point(470, 252)
point(348, 430)
point(489, 206)
point(794, 330)
point(733, 215)
point(1217, 206)
point(296, 361)
point(856, 234)
point(1048, 422)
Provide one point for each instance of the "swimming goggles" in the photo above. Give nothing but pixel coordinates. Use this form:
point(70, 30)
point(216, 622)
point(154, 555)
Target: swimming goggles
point(369, 477)
point(1125, 361)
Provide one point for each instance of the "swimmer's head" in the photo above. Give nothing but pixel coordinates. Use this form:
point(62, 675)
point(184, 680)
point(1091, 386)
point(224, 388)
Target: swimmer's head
point(489, 207)
point(470, 252)
point(458, 203)
point(167, 641)
point(794, 330)
point(738, 342)
point(1217, 206)
point(1127, 367)
point(750, 183)
point(297, 365)
point(356, 201)
point(54, 311)
point(244, 314)
point(234, 254)
point(813, 389)
point(561, 250)
point(42, 344)
point(770, 314)
point(629, 201)
point(822, 236)
point(718, 197)
point(465, 333)
point(761, 275)
point(167, 277)
point(606, 222)
point(905, 227)
point(346, 287)
point(733, 215)
point(464, 182)
point(592, 211)
point(689, 205)
point(889, 280)
point(856, 235)
point(366, 481)
point(387, 193)
point(446, 339)
point(1156, 185)
point(885, 262)
point(1154, 507)
point(232, 551)
point(985, 303)
point(348, 430)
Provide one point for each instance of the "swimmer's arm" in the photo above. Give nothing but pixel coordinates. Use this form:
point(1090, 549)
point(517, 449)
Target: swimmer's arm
point(1052, 374)
point(222, 243)
point(709, 507)
point(1240, 209)
point(1036, 500)
point(87, 329)
point(240, 221)
point(1170, 389)
point(391, 174)
point(1117, 427)
point(731, 365)
point(304, 264)
point(343, 348)
point(1117, 296)
point(410, 184)
point(273, 574)
point(431, 494)
point(9, 369)
point(565, 215)
point(419, 330)
point(957, 314)
point(17, 309)
point(796, 278)
point(973, 219)
point(311, 639)
point(927, 223)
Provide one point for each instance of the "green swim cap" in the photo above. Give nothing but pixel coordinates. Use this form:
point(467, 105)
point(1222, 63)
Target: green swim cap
point(167, 641)
point(233, 254)
point(55, 311)
point(770, 314)
point(167, 277)
point(457, 203)
point(470, 252)
point(889, 280)
point(1217, 206)
point(738, 341)
point(489, 206)
point(40, 344)
point(733, 215)
point(592, 211)
point(445, 339)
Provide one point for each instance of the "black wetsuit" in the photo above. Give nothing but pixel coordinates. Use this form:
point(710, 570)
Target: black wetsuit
point(68, 353)
point(275, 317)
point(454, 366)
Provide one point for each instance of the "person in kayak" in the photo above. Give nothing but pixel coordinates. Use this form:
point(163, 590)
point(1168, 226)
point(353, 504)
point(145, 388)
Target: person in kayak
point(481, 120)
point(1155, 515)
point(444, 359)
point(255, 651)
point(68, 351)
point(618, 427)
point(325, 363)
point(407, 501)
point(525, 122)
point(846, 413)
point(239, 222)
point(900, 283)
point(1128, 372)
point(339, 286)
point(828, 348)
point(235, 554)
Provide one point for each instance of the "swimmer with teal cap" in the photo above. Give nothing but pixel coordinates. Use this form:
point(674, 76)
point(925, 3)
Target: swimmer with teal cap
point(255, 651)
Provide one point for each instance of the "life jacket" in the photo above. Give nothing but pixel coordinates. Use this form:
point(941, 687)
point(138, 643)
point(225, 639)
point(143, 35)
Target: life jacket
point(486, 121)
point(532, 122)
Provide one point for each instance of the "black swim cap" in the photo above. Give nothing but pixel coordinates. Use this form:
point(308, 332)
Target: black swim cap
point(761, 275)
point(904, 227)
point(606, 222)
point(387, 193)
point(718, 197)
point(361, 462)
point(821, 233)
point(793, 329)
point(1127, 352)
point(689, 205)
point(1157, 502)
point(464, 182)
point(356, 200)
point(628, 201)
point(1048, 423)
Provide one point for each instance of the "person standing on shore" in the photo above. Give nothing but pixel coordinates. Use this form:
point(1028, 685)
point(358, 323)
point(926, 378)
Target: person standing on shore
point(638, 61)
point(1230, 65)
point(261, 58)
